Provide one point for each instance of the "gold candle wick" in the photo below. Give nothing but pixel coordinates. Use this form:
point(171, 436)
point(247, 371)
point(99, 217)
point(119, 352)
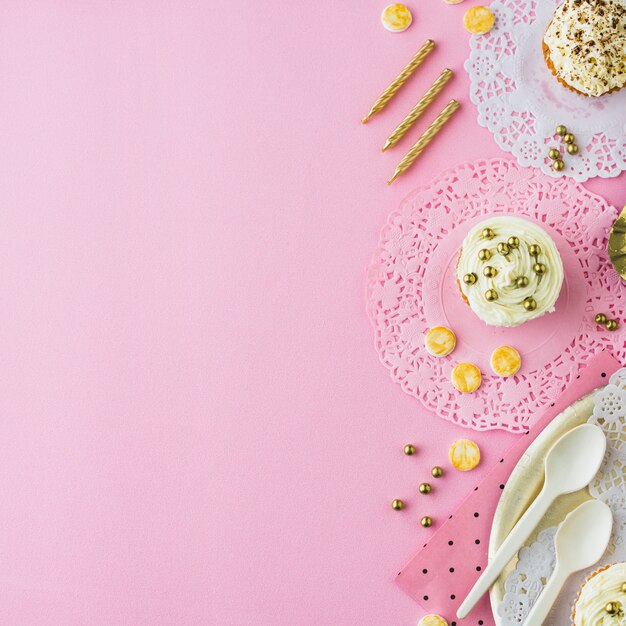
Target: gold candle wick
point(418, 109)
point(425, 139)
point(402, 77)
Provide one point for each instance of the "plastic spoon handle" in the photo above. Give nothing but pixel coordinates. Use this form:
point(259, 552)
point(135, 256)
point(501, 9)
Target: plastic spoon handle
point(548, 597)
point(515, 540)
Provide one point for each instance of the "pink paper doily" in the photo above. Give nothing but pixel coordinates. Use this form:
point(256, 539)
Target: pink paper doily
point(412, 287)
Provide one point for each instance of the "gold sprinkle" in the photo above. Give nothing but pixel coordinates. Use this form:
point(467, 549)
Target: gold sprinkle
point(484, 254)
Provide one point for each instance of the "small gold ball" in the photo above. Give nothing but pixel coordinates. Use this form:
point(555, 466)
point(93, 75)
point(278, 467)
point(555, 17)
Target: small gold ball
point(554, 154)
point(521, 281)
point(558, 165)
point(425, 488)
point(397, 505)
point(611, 608)
point(534, 250)
point(540, 268)
point(437, 471)
point(503, 248)
point(569, 138)
point(409, 449)
point(530, 304)
point(484, 254)
point(488, 233)
point(561, 130)
point(490, 272)
point(623, 587)
point(491, 295)
point(572, 149)
point(601, 318)
point(611, 325)
point(470, 279)
point(513, 242)
point(426, 521)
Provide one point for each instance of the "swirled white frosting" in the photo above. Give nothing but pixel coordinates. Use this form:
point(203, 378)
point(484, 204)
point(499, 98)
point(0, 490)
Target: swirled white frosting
point(587, 44)
point(597, 592)
point(508, 309)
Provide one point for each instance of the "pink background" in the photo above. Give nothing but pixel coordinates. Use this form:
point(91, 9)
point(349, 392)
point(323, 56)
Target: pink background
point(195, 428)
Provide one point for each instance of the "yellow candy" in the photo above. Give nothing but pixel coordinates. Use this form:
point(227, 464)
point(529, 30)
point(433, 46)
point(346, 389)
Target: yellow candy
point(453, 1)
point(396, 18)
point(464, 455)
point(505, 361)
point(466, 377)
point(478, 20)
point(440, 341)
point(432, 620)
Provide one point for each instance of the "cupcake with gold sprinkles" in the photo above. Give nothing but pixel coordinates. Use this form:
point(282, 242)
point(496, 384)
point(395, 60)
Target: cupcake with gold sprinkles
point(602, 599)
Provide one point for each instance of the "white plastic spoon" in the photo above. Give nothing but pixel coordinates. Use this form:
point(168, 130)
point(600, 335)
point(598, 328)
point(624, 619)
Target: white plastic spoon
point(580, 542)
point(570, 465)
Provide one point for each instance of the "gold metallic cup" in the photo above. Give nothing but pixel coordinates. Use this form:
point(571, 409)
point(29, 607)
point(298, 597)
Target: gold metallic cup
point(418, 109)
point(425, 139)
point(617, 244)
point(402, 77)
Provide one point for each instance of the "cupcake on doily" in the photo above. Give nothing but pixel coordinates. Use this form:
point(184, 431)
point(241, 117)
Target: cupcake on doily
point(509, 271)
point(585, 46)
point(602, 598)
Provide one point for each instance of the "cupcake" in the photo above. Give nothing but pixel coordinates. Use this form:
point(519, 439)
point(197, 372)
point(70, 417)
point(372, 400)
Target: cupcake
point(585, 46)
point(509, 271)
point(602, 599)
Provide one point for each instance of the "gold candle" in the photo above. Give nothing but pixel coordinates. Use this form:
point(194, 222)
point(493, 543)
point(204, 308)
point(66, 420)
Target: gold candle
point(418, 109)
point(402, 77)
point(425, 139)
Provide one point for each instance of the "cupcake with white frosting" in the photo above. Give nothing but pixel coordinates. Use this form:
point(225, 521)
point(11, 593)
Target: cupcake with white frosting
point(509, 271)
point(585, 46)
point(602, 599)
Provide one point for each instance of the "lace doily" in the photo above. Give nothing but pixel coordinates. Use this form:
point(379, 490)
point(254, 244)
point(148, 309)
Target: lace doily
point(412, 287)
point(536, 562)
point(521, 102)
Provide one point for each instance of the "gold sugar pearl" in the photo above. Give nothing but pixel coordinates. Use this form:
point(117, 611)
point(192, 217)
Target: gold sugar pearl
point(425, 488)
point(534, 250)
point(437, 471)
point(397, 505)
point(561, 130)
point(409, 449)
point(540, 268)
point(623, 587)
point(611, 325)
point(558, 165)
point(503, 248)
point(569, 138)
point(491, 295)
point(513, 242)
point(601, 318)
point(530, 304)
point(426, 521)
point(522, 281)
point(612, 608)
point(470, 279)
point(488, 233)
point(554, 154)
point(484, 254)
point(490, 272)
point(572, 149)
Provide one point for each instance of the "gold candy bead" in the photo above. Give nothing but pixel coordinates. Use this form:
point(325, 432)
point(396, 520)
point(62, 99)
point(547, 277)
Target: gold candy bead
point(484, 254)
point(397, 505)
point(437, 471)
point(426, 521)
point(601, 318)
point(623, 587)
point(558, 165)
point(572, 149)
point(488, 233)
point(491, 295)
point(612, 608)
point(530, 304)
point(540, 268)
point(409, 449)
point(534, 250)
point(569, 138)
point(425, 488)
point(490, 272)
point(611, 325)
point(521, 281)
point(470, 279)
point(503, 248)
point(554, 154)
point(561, 130)
point(513, 242)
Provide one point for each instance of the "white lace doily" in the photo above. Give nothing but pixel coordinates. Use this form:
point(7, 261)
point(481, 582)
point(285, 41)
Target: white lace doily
point(536, 561)
point(412, 286)
point(521, 102)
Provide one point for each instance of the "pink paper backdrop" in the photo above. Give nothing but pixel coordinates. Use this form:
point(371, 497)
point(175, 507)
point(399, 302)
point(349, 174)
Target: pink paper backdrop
point(195, 428)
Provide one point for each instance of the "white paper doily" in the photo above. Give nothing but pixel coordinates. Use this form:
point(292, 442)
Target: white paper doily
point(521, 102)
point(536, 561)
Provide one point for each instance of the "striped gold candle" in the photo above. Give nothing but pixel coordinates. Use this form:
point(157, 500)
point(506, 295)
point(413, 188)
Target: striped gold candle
point(425, 139)
point(402, 77)
point(418, 109)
